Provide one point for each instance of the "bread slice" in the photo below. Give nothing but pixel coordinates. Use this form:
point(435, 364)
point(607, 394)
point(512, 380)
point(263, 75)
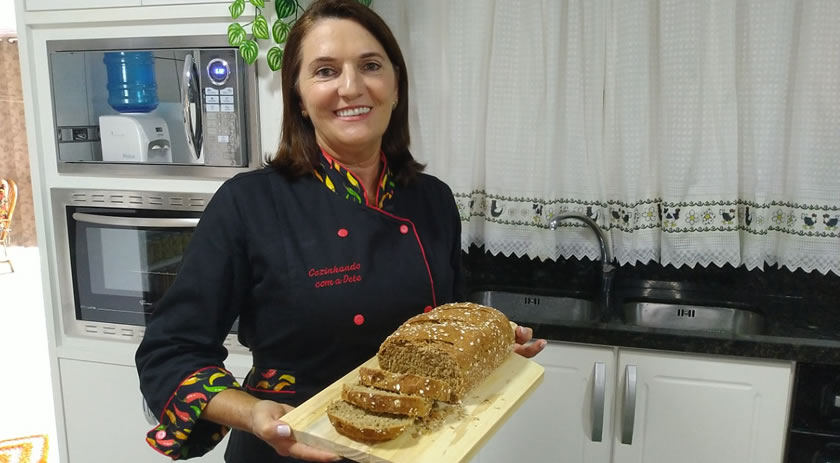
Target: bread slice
point(379, 401)
point(406, 383)
point(459, 344)
point(362, 425)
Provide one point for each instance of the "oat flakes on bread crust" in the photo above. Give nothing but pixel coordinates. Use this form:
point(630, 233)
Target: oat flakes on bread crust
point(379, 401)
point(458, 343)
point(406, 383)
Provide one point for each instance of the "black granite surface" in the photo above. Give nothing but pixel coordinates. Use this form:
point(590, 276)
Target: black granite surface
point(801, 310)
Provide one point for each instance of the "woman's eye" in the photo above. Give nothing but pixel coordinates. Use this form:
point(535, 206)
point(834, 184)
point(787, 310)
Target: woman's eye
point(372, 66)
point(324, 72)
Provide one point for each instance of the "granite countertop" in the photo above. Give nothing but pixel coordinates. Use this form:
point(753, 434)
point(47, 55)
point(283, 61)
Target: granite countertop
point(800, 310)
point(767, 346)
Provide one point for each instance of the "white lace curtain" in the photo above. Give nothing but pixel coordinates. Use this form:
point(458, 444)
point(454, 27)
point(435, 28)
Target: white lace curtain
point(693, 132)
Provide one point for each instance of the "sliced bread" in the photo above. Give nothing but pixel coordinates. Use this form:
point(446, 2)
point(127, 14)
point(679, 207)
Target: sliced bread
point(459, 344)
point(362, 425)
point(405, 383)
point(379, 401)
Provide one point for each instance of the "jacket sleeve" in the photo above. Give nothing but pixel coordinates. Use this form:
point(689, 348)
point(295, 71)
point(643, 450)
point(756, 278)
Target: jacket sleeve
point(180, 360)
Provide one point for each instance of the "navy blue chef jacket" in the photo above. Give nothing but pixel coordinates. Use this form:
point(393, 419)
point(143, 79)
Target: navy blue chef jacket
point(318, 281)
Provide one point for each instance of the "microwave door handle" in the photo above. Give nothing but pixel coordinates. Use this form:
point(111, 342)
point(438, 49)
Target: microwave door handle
point(198, 99)
point(151, 222)
point(191, 94)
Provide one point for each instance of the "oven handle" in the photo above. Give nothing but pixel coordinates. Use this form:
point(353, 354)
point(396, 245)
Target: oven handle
point(135, 221)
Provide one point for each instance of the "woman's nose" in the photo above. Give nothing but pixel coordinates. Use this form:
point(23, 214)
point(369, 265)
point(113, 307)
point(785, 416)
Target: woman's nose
point(350, 85)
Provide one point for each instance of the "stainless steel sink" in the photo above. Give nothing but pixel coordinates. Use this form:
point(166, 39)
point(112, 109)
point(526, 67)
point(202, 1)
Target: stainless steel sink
point(535, 308)
point(693, 317)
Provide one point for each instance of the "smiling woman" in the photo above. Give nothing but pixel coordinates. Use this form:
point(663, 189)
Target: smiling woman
point(321, 255)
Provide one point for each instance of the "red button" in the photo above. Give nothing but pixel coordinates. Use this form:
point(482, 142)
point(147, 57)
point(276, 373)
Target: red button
point(404, 229)
point(428, 308)
point(342, 232)
point(359, 319)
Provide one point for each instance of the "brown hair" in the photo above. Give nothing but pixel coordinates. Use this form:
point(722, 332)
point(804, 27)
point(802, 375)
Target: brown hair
point(298, 153)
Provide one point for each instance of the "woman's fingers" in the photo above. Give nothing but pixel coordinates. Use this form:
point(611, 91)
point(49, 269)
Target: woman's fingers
point(530, 350)
point(523, 345)
point(285, 445)
point(523, 334)
point(268, 426)
point(300, 451)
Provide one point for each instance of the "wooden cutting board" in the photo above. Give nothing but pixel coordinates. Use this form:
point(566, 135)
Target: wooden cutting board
point(485, 408)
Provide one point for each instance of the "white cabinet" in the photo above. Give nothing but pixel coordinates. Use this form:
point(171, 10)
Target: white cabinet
point(556, 422)
point(695, 409)
point(41, 5)
point(658, 407)
point(104, 416)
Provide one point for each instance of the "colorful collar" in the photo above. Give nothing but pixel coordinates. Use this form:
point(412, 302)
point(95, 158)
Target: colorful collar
point(340, 180)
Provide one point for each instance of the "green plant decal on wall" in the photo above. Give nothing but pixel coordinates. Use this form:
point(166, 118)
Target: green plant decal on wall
point(287, 13)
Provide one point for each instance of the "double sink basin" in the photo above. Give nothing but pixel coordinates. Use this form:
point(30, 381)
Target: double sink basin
point(556, 309)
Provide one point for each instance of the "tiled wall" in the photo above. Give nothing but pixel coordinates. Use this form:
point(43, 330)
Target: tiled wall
point(806, 303)
point(14, 154)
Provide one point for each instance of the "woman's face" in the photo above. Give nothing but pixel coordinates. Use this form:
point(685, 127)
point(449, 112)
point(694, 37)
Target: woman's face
point(347, 85)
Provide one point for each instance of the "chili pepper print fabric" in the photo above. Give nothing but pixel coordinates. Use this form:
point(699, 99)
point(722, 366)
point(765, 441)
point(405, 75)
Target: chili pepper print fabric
point(181, 434)
point(340, 180)
point(271, 381)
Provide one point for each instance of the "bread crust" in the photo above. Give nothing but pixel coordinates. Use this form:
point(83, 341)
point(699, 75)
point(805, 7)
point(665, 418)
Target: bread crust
point(406, 383)
point(379, 401)
point(361, 433)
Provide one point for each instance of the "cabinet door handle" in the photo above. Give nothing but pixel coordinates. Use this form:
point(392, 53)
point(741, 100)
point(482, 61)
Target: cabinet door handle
point(150, 417)
point(629, 408)
point(599, 386)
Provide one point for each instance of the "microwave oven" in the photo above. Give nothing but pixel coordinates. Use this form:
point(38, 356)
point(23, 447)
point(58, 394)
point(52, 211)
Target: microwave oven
point(181, 106)
point(117, 254)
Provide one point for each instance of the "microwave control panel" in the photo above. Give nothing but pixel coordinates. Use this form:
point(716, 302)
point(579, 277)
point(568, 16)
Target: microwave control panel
point(224, 108)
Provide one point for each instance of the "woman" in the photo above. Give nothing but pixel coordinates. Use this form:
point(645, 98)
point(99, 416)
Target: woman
point(321, 256)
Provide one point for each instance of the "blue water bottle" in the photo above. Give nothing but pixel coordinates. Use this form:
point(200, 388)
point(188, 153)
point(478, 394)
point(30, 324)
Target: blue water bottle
point(132, 87)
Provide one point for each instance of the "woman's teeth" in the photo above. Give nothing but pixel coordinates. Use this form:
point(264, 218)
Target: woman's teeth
point(352, 112)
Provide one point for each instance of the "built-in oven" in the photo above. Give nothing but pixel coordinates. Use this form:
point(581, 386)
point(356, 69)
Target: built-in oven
point(814, 435)
point(119, 252)
point(181, 106)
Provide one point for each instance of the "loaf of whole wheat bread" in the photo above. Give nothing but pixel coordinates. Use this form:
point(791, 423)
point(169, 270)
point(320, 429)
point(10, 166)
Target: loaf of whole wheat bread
point(439, 355)
point(458, 343)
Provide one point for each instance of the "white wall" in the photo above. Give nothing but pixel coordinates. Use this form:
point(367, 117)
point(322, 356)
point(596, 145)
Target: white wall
point(7, 17)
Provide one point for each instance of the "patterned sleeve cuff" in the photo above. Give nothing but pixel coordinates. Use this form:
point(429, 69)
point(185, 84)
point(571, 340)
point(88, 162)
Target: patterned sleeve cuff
point(180, 434)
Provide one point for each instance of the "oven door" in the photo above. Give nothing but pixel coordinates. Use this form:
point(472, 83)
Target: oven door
point(123, 260)
point(117, 254)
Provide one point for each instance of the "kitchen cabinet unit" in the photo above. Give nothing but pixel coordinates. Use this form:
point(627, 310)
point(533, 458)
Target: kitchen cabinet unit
point(658, 407)
point(559, 417)
point(43, 5)
point(104, 415)
point(692, 408)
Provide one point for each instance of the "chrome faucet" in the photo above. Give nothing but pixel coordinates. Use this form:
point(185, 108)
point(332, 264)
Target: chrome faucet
point(607, 267)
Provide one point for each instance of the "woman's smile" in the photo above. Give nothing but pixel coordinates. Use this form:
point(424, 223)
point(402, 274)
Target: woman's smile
point(353, 113)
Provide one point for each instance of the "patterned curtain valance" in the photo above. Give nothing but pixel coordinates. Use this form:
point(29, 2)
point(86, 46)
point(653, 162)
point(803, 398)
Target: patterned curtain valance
point(693, 132)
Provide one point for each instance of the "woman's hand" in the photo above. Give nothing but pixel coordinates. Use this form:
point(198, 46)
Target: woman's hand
point(266, 424)
point(522, 346)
